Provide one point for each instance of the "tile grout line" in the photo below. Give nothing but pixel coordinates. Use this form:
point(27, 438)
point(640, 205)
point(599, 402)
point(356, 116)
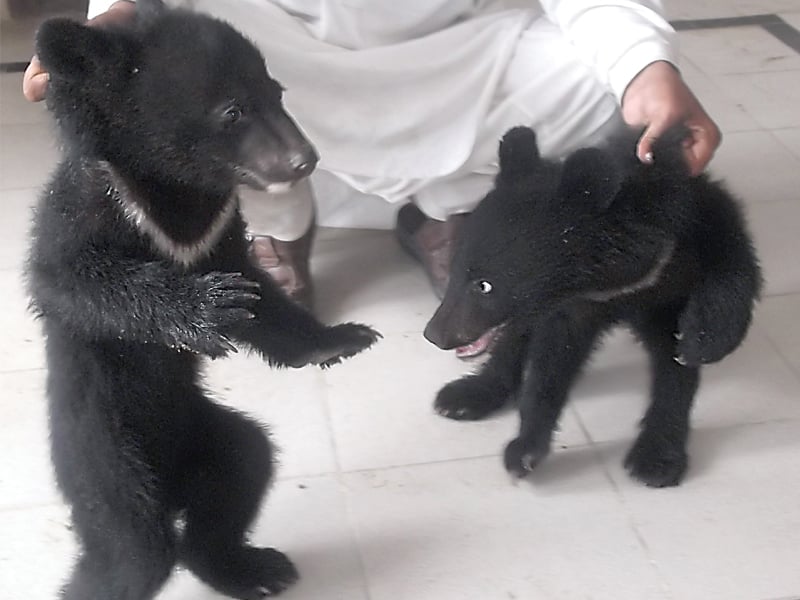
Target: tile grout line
point(777, 138)
point(723, 93)
point(785, 359)
point(629, 518)
point(597, 445)
point(338, 476)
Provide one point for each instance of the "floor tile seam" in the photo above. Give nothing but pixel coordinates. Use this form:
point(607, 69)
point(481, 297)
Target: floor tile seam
point(763, 202)
point(328, 413)
point(713, 79)
point(44, 120)
point(23, 188)
point(748, 201)
point(597, 445)
point(623, 504)
point(23, 370)
point(11, 508)
point(604, 446)
point(18, 268)
point(785, 359)
point(755, 73)
point(353, 530)
point(773, 133)
point(445, 461)
point(725, 95)
point(744, 129)
point(767, 296)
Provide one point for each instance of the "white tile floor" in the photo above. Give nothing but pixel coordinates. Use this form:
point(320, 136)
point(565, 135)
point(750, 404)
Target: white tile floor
point(381, 499)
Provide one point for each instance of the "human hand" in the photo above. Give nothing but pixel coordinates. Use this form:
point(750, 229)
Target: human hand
point(658, 98)
point(34, 81)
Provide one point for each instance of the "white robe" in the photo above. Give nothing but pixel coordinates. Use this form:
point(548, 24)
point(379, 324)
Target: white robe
point(409, 97)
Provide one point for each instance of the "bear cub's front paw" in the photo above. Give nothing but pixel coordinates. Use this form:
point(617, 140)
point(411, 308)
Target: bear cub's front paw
point(225, 299)
point(265, 572)
point(336, 343)
point(468, 399)
point(523, 455)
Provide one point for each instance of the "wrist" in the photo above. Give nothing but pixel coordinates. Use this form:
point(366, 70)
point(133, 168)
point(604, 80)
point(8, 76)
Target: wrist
point(655, 72)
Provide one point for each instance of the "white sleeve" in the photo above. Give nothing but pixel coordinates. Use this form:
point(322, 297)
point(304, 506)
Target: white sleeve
point(618, 38)
point(98, 6)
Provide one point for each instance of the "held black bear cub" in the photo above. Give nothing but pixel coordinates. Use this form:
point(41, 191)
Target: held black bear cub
point(558, 252)
point(139, 267)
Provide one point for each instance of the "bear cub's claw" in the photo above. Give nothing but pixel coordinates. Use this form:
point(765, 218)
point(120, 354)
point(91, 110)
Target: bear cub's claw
point(656, 464)
point(343, 341)
point(225, 299)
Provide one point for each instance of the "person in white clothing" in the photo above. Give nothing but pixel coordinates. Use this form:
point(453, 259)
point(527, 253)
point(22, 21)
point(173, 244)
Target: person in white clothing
point(407, 100)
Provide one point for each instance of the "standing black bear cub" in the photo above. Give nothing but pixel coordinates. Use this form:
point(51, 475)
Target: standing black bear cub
point(559, 252)
point(139, 267)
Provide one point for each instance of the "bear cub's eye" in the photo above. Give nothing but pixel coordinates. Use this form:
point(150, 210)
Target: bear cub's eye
point(232, 114)
point(484, 287)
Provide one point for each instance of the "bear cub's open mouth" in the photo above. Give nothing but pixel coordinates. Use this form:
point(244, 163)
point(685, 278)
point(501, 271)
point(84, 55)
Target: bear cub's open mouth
point(255, 181)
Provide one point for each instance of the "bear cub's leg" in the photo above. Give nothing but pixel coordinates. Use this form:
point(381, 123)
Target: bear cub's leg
point(477, 396)
point(658, 458)
point(557, 351)
point(222, 494)
point(127, 542)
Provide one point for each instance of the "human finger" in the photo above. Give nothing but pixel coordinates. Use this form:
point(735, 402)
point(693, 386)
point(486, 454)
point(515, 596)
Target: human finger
point(34, 81)
point(644, 148)
point(703, 142)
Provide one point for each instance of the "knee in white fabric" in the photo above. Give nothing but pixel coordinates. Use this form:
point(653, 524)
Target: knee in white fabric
point(454, 196)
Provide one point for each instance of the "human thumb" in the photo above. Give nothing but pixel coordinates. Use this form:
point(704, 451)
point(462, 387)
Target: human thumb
point(644, 148)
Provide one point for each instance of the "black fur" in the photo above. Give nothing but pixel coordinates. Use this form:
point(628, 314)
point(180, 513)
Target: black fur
point(558, 252)
point(131, 302)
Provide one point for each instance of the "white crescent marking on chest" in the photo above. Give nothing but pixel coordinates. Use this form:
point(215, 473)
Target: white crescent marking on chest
point(184, 254)
point(649, 280)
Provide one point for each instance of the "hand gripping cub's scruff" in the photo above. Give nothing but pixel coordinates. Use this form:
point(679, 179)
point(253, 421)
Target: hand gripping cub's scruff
point(139, 267)
point(558, 252)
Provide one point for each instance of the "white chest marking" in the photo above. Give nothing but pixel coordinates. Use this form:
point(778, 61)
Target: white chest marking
point(183, 254)
point(649, 280)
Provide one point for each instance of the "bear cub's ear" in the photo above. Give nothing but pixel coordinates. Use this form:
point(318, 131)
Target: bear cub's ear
point(519, 154)
point(72, 50)
point(590, 175)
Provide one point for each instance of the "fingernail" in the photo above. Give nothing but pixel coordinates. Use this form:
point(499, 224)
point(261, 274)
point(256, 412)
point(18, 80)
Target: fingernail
point(648, 158)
